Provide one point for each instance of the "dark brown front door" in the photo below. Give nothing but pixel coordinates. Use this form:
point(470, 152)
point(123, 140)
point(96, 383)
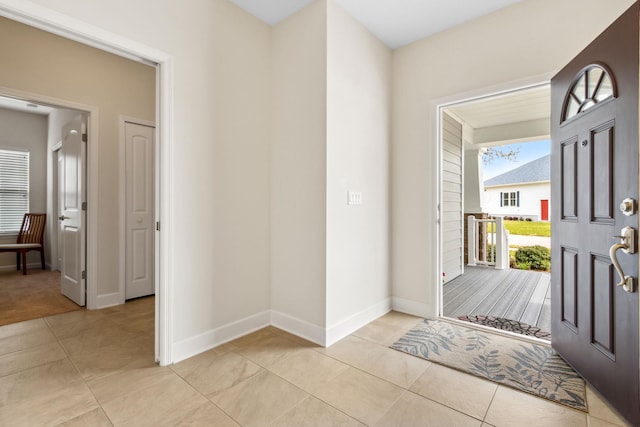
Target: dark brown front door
point(594, 131)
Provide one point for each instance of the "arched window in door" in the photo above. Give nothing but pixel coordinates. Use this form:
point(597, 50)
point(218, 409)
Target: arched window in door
point(592, 85)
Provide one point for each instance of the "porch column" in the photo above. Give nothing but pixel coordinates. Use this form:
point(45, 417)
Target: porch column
point(473, 184)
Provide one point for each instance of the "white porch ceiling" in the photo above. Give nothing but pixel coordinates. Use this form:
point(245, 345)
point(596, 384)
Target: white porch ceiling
point(395, 22)
point(515, 107)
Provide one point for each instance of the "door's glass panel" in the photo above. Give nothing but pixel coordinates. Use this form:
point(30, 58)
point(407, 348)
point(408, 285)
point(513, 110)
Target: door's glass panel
point(594, 80)
point(606, 89)
point(573, 107)
point(579, 89)
point(591, 86)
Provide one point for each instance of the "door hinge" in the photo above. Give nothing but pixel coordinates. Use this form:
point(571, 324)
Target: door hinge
point(84, 274)
point(157, 225)
point(84, 206)
point(84, 137)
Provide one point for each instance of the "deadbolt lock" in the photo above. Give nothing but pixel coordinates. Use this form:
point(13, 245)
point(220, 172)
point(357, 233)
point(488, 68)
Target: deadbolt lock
point(628, 207)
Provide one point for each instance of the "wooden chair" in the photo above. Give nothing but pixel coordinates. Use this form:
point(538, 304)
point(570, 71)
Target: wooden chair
point(30, 238)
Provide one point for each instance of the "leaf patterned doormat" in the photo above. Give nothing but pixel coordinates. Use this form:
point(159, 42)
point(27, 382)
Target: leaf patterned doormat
point(530, 367)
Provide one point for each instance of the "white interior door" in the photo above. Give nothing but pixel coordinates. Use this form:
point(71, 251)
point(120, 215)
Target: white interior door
point(59, 204)
point(72, 216)
point(139, 257)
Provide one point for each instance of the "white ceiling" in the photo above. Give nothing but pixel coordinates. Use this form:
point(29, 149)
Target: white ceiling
point(395, 22)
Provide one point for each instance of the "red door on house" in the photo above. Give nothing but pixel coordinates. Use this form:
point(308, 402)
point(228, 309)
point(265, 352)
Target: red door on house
point(544, 210)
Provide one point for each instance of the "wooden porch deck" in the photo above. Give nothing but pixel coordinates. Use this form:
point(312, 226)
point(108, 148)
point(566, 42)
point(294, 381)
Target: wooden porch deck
point(513, 294)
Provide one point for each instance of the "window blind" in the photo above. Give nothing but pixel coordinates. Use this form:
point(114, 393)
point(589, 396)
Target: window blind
point(14, 189)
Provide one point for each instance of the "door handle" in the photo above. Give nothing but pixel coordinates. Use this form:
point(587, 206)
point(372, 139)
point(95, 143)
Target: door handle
point(62, 217)
point(628, 245)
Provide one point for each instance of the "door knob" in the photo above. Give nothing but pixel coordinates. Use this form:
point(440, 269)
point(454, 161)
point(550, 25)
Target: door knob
point(62, 217)
point(628, 245)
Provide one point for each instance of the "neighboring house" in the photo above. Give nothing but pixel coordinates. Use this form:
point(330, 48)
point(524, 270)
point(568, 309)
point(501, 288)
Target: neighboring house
point(523, 192)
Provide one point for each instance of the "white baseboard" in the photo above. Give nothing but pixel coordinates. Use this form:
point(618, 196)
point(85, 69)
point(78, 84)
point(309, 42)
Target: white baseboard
point(109, 300)
point(352, 323)
point(301, 328)
point(30, 265)
point(189, 347)
point(411, 307)
point(207, 340)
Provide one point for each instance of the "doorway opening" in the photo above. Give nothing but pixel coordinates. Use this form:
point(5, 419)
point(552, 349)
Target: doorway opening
point(494, 199)
point(55, 138)
point(100, 264)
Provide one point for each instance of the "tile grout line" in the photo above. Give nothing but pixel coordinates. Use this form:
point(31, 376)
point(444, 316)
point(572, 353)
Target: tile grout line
point(309, 394)
point(408, 389)
point(405, 389)
point(203, 395)
point(82, 379)
point(489, 405)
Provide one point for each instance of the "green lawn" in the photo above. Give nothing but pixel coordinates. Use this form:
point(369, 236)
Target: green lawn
point(528, 228)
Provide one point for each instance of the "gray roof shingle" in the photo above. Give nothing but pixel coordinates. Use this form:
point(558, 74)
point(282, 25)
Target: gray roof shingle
point(534, 171)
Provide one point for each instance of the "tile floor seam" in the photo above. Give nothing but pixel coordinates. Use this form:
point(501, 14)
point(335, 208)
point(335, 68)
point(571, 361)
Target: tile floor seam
point(337, 409)
point(312, 394)
point(361, 369)
point(450, 406)
point(393, 404)
point(30, 366)
point(203, 395)
point(486, 412)
point(75, 366)
point(82, 379)
point(447, 406)
point(209, 399)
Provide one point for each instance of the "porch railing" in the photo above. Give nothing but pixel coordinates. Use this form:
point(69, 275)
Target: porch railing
point(488, 242)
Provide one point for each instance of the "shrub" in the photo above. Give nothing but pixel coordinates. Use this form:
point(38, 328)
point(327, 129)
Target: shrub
point(529, 219)
point(534, 258)
point(491, 252)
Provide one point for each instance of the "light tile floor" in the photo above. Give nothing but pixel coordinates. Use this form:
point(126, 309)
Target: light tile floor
point(95, 368)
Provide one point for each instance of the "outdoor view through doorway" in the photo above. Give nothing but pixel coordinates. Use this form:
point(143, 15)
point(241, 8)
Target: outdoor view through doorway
point(495, 230)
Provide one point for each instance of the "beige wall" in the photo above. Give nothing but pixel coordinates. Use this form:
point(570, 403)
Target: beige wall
point(299, 166)
point(358, 131)
point(38, 62)
point(517, 43)
point(222, 178)
point(28, 131)
point(331, 99)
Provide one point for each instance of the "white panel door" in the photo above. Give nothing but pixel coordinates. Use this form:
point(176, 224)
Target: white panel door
point(60, 203)
point(72, 218)
point(139, 152)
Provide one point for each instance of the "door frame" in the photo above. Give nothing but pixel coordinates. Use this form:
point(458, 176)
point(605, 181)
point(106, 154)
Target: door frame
point(122, 121)
point(436, 109)
point(62, 25)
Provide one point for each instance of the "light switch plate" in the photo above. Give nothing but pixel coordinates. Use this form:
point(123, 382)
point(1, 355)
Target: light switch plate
point(354, 198)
